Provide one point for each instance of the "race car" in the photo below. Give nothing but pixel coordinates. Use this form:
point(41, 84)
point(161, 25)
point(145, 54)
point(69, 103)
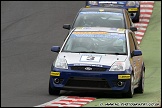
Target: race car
point(102, 17)
point(133, 7)
point(98, 59)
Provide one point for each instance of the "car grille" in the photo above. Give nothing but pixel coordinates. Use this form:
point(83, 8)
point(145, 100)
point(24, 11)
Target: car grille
point(83, 68)
point(87, 82)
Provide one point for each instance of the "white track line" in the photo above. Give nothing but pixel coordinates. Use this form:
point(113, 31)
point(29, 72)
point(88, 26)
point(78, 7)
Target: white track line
point(144, 10)
point(145, 15)
point(148, 6)
point(146, 2)
point(139, 37)
point(140, 24)
point(144, 20)
point(57, 99)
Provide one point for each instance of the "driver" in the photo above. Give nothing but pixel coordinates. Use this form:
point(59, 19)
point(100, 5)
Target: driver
point(88, 21)
point(119, 44)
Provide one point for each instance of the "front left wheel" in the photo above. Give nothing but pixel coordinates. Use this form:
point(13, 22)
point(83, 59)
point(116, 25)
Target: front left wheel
point(53, 91)
point(130, 92)
point(140, 88)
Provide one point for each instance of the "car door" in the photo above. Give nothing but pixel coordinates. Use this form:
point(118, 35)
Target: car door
point(139, 58)
point(133, 59)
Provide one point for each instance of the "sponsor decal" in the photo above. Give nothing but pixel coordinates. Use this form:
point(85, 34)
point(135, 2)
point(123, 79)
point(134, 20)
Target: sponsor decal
point(90, 58)
point(90, 32)
point(107, 2)
point(55, 74)
point(101, 12)
point(120, 34)
point(82, 64)
point(132, 9)
point(121, 30)
point(123, 76)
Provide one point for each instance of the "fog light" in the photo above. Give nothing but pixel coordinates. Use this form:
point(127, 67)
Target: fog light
point(120, 83)
point(56, 80)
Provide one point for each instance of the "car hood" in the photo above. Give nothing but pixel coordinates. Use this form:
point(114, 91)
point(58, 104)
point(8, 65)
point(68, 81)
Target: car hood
point(90, 58)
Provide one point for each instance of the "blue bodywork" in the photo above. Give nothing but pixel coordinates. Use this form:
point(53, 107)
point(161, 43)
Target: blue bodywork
point(109, 77)
point(79, 68)
point(134, 14)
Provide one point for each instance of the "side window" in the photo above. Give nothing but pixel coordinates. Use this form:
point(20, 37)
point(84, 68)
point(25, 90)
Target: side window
point(129, 21)
point(131, 43)
point(135, 41)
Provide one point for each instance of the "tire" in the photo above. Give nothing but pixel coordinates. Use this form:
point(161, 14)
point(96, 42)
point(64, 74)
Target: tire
point(86, 4)
point(130, 92)
point(53, 91)
point(136, 20)
point(140, 88)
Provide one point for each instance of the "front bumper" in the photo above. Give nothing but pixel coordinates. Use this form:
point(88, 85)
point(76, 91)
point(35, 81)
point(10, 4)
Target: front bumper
point(93, 81)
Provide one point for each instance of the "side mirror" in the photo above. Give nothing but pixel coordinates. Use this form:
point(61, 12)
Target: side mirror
point(55, 48)
point(133, 28)
point(136, 53)
point(66, 26)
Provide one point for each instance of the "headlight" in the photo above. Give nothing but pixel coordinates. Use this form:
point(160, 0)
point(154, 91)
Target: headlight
point(131, 3)
point(93, 2)
point(60, 63)
point(137, 2)
point(118, 66)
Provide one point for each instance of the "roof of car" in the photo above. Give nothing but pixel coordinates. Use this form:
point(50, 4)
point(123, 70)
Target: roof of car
point(99, 9)
point(100, 29)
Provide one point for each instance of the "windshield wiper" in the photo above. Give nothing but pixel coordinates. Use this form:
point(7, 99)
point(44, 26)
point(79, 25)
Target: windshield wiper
point(96, 52)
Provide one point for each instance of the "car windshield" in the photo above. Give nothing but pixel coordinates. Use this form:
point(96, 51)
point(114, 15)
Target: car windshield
point(96, 42)
point(100, 19)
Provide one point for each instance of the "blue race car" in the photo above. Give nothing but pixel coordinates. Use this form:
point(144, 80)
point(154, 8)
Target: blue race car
point(98, 59)
point(133, 7)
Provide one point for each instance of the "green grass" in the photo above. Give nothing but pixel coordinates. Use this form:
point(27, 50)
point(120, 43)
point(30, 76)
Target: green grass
point(151, 48)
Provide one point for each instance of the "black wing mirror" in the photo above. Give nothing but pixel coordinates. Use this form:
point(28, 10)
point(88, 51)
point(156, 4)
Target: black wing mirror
point(136, 53)
point(55, 48)
point(66, 26)
point(133, 28)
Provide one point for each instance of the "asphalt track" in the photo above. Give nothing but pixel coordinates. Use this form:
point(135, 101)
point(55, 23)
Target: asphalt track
point(28, 31)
